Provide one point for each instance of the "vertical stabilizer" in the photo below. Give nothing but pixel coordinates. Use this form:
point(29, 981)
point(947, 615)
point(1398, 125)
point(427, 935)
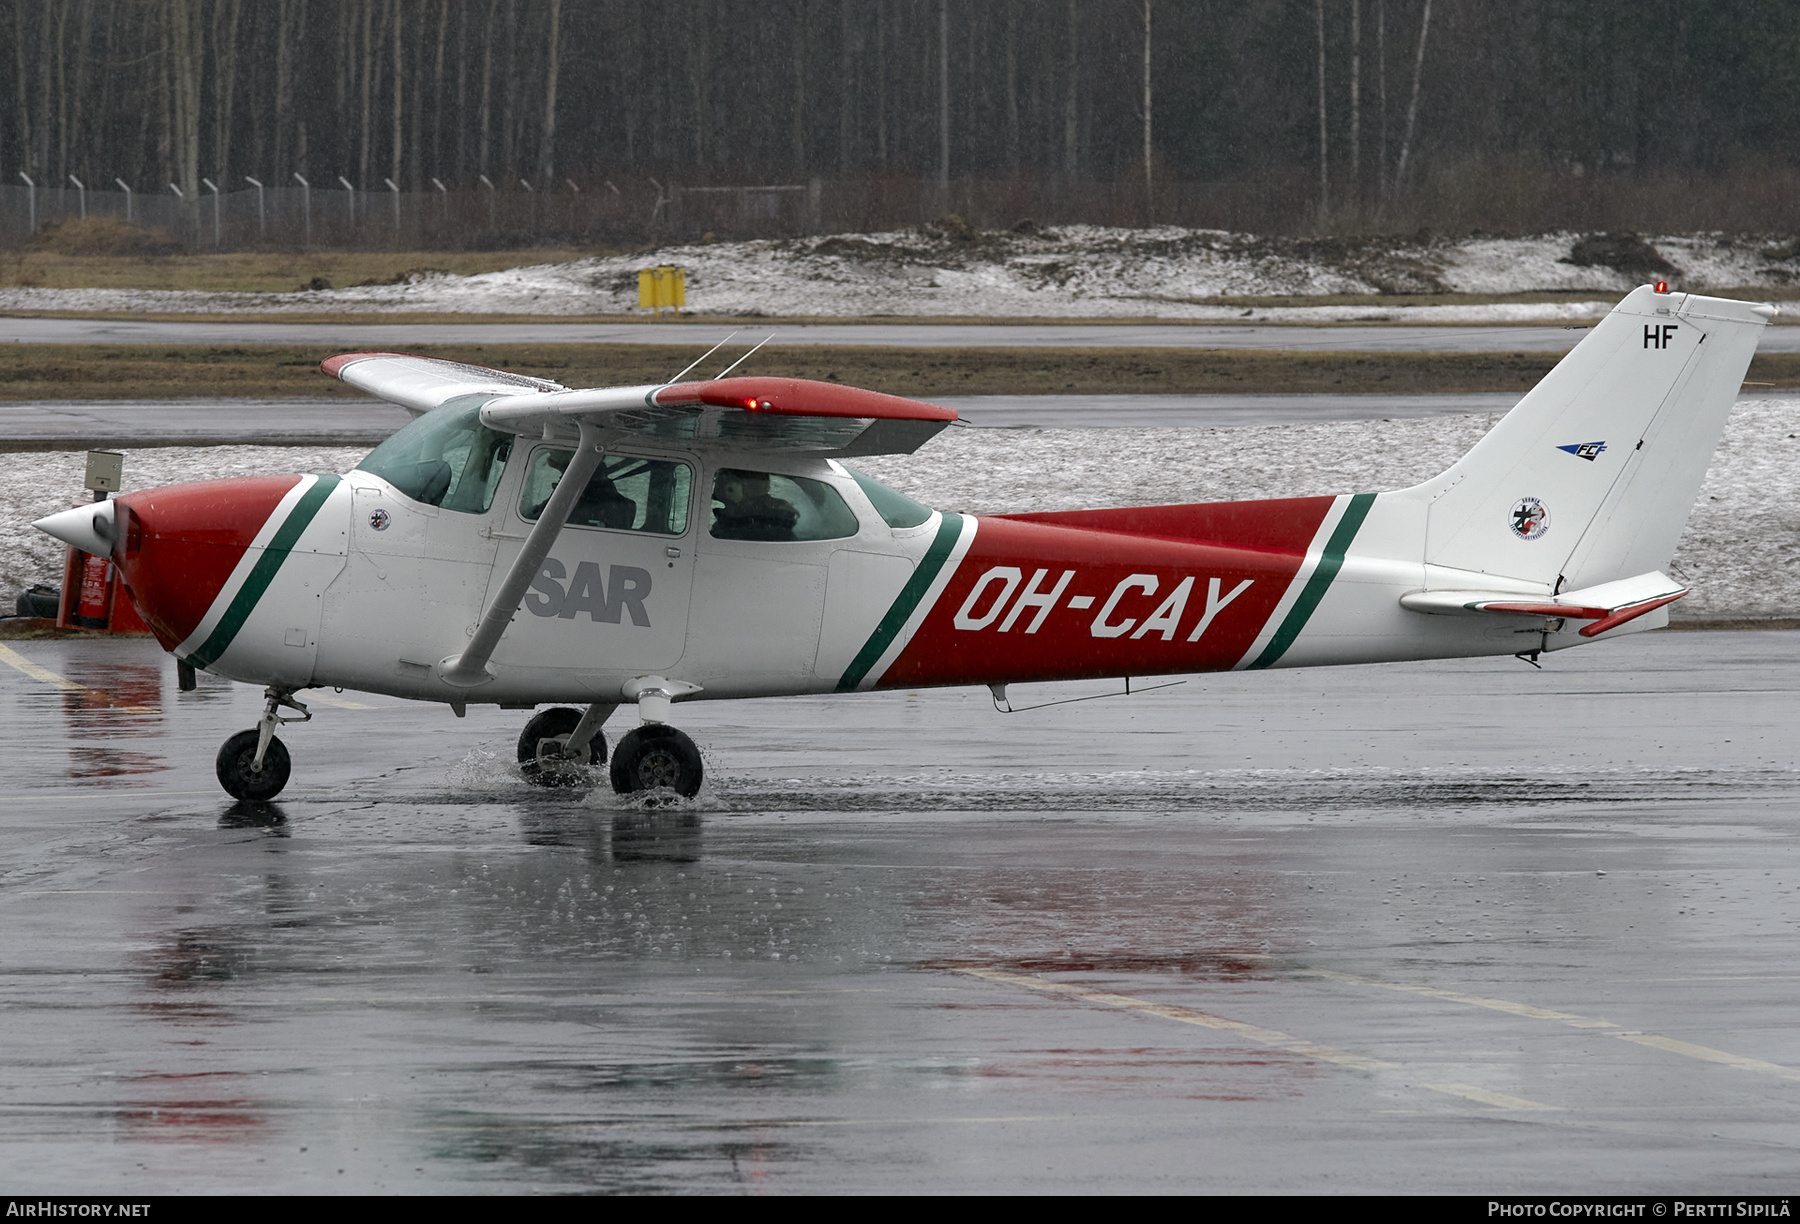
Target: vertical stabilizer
point(1591, 476)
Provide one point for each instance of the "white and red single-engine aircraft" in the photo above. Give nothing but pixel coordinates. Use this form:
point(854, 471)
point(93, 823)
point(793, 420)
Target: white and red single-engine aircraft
point(521, 543)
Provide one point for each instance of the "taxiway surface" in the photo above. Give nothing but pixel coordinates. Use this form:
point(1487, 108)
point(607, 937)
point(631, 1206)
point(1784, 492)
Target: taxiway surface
point(1464, 927)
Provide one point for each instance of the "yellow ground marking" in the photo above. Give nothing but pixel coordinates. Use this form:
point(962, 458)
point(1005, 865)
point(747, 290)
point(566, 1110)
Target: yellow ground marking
point(1499, 1100)
point(1185, 1015)
point(1668, 1044)
point(340, 703)
point(20, 663)
point(88, 798)
point(1708, 1054)
point(1457, 996)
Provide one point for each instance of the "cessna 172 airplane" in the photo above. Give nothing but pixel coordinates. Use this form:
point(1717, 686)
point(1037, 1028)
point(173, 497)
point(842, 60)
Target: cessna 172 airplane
point(521, 543)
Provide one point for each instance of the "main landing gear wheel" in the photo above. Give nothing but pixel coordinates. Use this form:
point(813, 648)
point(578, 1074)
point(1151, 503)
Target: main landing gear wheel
point(656, 755)
point(543, 758)
point(237, 776)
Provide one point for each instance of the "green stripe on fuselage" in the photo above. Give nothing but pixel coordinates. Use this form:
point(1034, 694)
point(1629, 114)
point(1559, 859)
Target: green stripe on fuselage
point(949, 531)
point(263, 572)
point(1316, 586)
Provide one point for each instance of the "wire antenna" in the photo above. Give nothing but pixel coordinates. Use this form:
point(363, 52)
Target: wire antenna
point(703, 356)
point(746, 357)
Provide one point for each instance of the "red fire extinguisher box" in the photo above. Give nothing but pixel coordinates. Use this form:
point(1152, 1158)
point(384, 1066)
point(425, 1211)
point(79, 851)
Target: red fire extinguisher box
point(93, 597)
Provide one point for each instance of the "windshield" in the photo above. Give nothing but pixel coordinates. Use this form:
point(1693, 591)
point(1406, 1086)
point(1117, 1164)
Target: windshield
point(445, 458)
point(895, 509)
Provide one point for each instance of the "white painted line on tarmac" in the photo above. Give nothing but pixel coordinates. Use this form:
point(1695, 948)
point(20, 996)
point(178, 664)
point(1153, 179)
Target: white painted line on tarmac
point(20, 663)
point(1185, 1015)
point(1499, 1100)
point(1669, 1044)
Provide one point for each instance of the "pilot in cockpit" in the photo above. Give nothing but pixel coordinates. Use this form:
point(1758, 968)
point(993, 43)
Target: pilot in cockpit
point(747, 510)
point(600, 504)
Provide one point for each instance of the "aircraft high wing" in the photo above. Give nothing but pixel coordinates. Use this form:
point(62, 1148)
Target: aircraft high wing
point(525, 544)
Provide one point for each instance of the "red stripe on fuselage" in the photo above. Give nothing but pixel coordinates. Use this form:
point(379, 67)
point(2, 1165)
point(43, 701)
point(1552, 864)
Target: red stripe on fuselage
point(182, 542)
point(1142, 583)
point(1279, 525)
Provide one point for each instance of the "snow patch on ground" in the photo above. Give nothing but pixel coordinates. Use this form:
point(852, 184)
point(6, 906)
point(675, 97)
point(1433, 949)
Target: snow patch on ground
point(1740, 553)
point(1076, 271)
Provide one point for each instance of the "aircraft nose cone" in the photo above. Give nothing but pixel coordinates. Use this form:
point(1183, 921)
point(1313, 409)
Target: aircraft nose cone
point(90, 528)
point(179, 546)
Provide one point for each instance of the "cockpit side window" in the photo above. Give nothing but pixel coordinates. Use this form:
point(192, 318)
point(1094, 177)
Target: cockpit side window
point(446, 458)
point(624, 494)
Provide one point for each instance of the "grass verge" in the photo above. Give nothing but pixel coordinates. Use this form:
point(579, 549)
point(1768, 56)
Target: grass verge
point(111, 372)
point(256, 271)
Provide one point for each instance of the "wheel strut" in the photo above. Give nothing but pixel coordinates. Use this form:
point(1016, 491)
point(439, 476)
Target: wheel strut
point(273, 700)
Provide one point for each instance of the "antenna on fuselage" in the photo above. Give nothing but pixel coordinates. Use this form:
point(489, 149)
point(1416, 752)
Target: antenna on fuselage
point(703, 356)
point(746, 357)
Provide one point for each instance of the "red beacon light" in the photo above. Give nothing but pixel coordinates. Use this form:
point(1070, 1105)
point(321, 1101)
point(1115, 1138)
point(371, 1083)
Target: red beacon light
point(1662, 286)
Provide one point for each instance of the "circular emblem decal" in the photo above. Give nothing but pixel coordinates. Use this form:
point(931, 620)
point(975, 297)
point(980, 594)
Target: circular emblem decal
point(1530, 518)
point(379, 520)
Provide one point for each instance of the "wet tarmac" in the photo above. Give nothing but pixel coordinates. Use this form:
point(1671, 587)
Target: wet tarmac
point(1464, 927)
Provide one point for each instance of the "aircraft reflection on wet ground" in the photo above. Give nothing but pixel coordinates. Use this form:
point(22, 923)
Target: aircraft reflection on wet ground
point(1454, 927)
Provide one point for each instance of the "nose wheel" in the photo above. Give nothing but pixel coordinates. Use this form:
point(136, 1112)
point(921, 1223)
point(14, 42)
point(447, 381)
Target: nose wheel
point(254, 764)
point(238, 771)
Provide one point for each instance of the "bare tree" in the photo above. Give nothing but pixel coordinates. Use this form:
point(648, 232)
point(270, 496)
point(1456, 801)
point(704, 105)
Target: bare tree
point(185, 48)
point(1381, 95)
point(881, 84)
point(1324, 135)
point(1012, 86)
point(1070, 126)
point(552, 58)
point(847, 50)
point(399, 107)
point(802, 31)
point(1412, 107)
point(943, 103)
point(366, 83)
point(1149, 186)
point(487, 88)
point(1355, 102)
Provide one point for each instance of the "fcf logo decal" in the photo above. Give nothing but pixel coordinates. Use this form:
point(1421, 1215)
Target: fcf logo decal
point(1530, 518)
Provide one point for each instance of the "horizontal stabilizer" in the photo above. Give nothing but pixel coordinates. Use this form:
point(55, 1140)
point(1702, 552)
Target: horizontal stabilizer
point(1606, 606)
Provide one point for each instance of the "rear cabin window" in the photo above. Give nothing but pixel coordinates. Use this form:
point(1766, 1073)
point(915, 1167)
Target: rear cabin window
point(624, 494)
point(445, 458)
point(765, 506)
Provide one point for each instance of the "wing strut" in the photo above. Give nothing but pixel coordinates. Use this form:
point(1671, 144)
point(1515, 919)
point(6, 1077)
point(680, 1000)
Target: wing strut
point(468, 669)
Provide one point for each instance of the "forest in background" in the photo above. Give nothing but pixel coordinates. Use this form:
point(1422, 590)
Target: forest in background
point(1277, 116)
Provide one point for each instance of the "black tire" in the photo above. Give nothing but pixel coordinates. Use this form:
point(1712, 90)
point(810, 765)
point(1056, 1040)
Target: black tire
point(653, 757)
point(239, 780)
point(40, 601)
point(540, 747)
